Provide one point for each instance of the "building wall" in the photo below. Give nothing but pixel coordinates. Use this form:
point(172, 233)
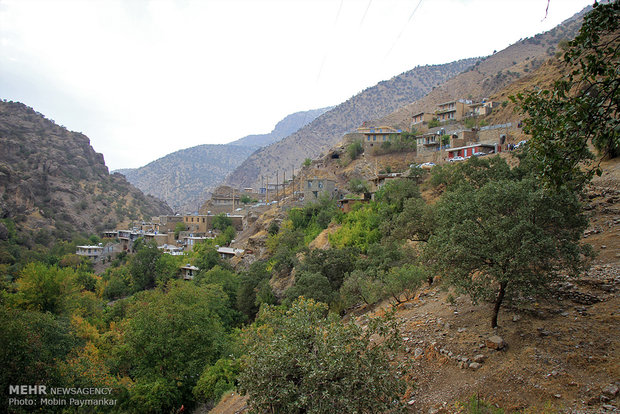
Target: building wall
point(314, 188)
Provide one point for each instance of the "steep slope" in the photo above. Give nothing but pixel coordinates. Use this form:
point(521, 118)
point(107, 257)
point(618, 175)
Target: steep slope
point(54, 184)
point(493, 73)
point(284, 128)
point(185, 178)
point(386, 103)
point(327, 129)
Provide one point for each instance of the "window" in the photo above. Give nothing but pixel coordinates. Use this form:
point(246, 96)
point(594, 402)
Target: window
point(309, 184)
point(320, 184)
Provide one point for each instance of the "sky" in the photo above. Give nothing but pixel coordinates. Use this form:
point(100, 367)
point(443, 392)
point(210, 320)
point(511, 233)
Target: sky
point(144, 78)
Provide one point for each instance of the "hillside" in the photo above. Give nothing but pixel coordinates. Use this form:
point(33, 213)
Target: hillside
point(185, 178)
point(54, 184)
point(393, 102)
point(290, 124)
point(327, 129)
point(492, 74)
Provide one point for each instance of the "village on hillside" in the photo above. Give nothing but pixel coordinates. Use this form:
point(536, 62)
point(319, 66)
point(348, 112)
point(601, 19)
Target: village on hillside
point(456, 131)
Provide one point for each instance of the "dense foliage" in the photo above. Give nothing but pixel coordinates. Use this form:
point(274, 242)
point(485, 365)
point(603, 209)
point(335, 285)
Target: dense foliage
point(301, 360)
point(581, 108)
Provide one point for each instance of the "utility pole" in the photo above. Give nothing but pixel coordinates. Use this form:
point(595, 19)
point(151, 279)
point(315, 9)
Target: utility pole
point(277, 181)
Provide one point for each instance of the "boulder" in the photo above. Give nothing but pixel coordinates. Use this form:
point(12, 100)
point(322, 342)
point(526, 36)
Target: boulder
point(496, 342)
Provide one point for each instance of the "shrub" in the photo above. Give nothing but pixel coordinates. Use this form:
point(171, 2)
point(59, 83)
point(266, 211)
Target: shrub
point(317, 363)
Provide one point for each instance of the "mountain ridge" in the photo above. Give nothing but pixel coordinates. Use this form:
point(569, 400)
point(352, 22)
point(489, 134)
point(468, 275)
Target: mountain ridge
point(185, 178)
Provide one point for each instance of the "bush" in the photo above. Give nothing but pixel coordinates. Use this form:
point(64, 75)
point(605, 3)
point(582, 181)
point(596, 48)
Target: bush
point(354, 149)
point(318, 364)
point(216, 380)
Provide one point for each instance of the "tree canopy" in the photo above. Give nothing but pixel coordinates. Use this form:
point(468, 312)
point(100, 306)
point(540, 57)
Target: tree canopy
point(300, 360)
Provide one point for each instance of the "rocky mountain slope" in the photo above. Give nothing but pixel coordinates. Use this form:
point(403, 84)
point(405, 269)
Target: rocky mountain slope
point(290, 124)
point(393, 102)
point(54, 184)
point(185, 178)
point(327, 129)
point(491, 74)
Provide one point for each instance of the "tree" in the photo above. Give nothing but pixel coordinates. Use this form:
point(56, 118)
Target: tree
point(358, 186)
point(31, 343)
point(403, 281)
point(301, 361)
point(583, 107)
point(354, 149)
point(311, 285)
point(333, 264)
point(144, 265)
point(207, 257)
point(46, 288)
point(221, 222)
point(505, 239)
point(178, 228)
point(307, 162)
point(169, 337)
point(249, 282)
point(217, 379)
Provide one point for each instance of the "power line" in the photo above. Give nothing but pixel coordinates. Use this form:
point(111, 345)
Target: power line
point(365, 13)
point(403, 30)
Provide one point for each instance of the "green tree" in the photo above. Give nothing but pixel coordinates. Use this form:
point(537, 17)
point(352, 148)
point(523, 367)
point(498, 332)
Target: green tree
point(143, 266)
point(217, 379)
point(221, 222)
point(169, 337)
point(31, 343)
point(354, 149)
point(249, 282)
point(400, 283)
point(46, 288)
point(333, 264)
point(582, 107)
point(358, 186)
point(307, 162)
point(178, 228)
point(301, 361)
point(311, 285)
point(207, 257)
point(506, 238)
point(361, 286)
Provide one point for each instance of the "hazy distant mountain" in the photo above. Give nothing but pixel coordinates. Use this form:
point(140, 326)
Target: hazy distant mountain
point(283, 129)
point(392, 102)
point(185, 178)
point(54, 184)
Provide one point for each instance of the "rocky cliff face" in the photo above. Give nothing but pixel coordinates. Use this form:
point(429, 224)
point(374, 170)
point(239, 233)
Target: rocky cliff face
point(52, 181)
